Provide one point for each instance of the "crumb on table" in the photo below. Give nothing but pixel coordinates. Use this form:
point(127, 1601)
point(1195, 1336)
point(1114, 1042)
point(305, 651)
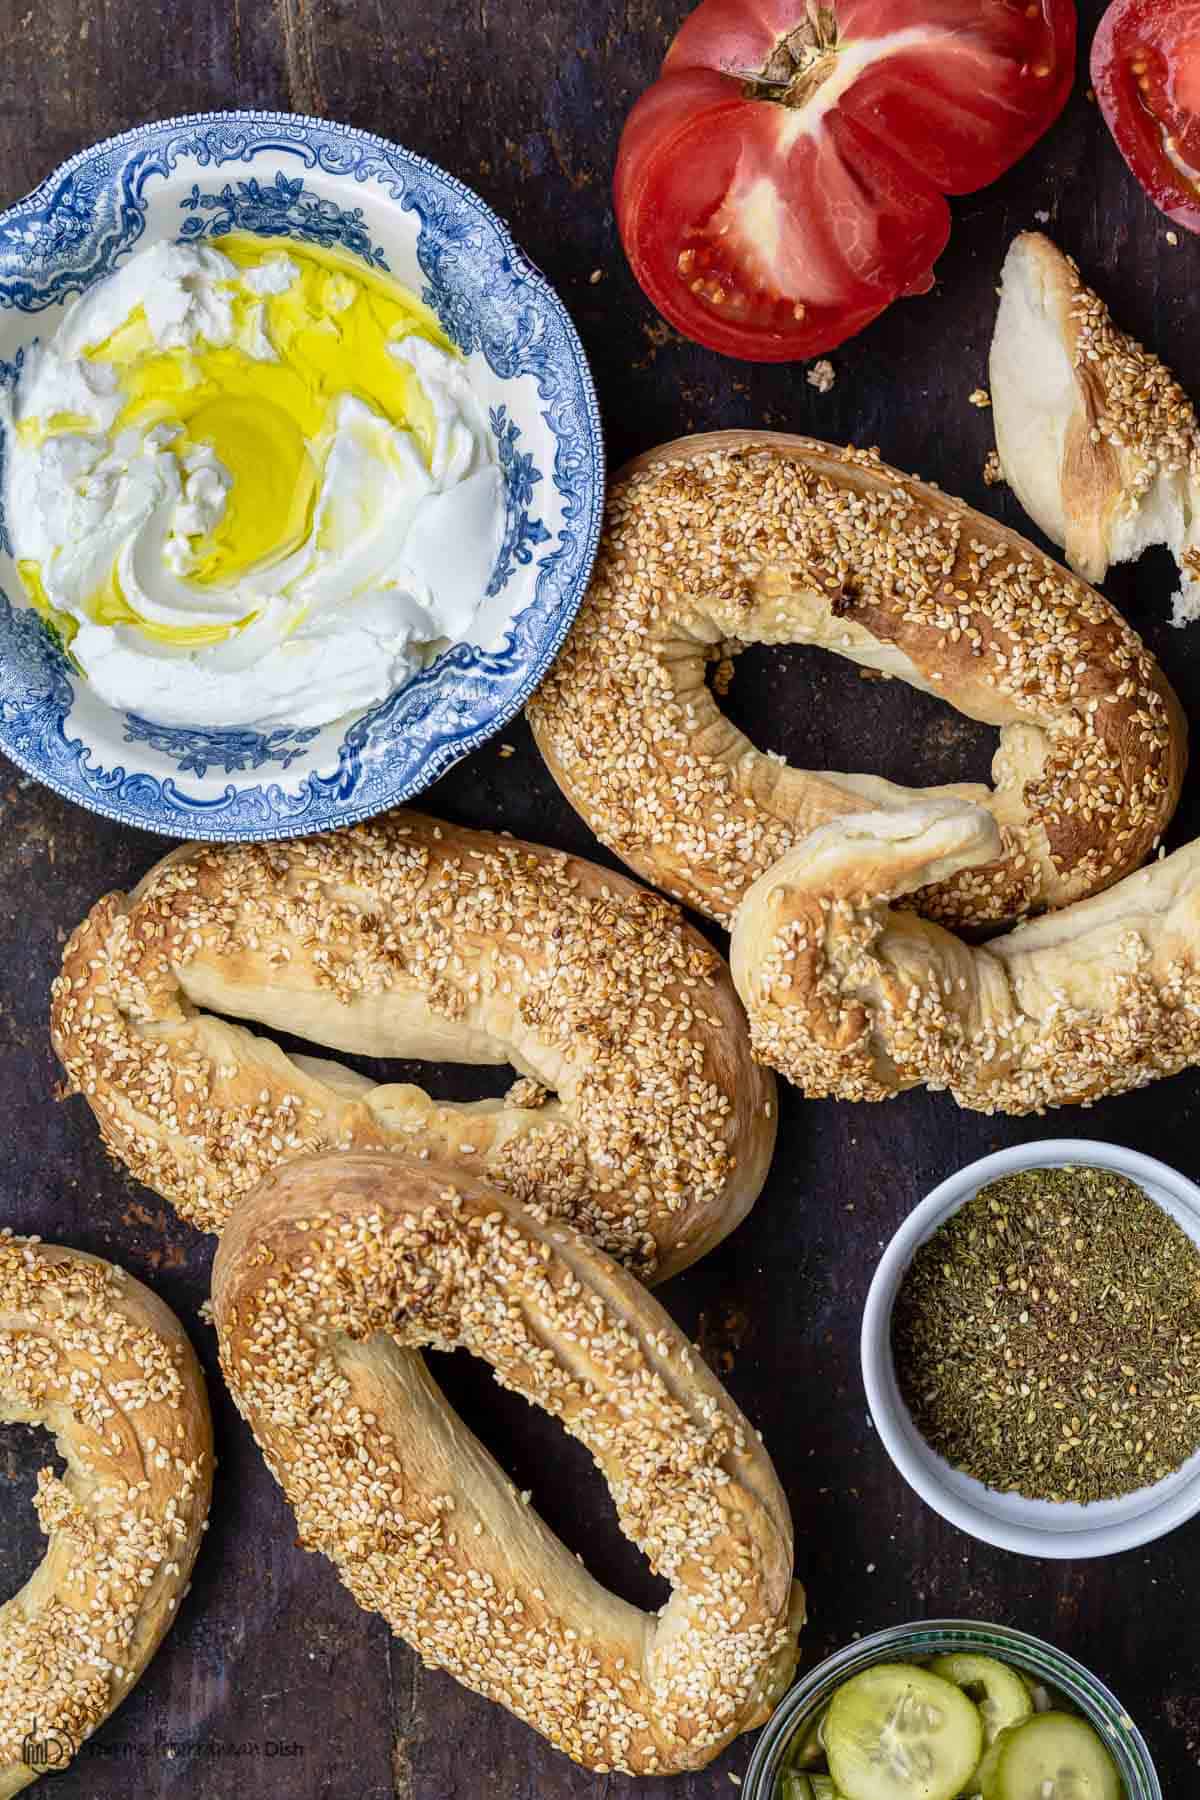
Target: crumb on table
point(980, 397)
point(993, 474)
point(822, 375)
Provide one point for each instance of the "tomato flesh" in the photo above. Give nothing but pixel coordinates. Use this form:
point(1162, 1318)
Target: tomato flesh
point(1146, 74)
point(785, 178)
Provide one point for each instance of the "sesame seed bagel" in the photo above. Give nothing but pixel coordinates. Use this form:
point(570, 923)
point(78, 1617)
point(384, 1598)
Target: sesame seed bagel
point(762, 538)
point(851, 997)
point(641, 1114)
point(1095, 436)
point(94, 1356)
point(327, 1284)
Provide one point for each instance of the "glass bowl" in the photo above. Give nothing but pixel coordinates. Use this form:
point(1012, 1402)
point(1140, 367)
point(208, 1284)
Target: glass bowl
point(1080, 1691)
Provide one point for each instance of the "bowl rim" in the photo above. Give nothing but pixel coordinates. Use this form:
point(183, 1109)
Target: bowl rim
point(1078, 1683)
point(1139, 1519)
point(200, 825)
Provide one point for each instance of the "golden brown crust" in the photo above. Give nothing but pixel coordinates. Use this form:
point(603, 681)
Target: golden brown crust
point(410, 938)
point(94, 1356)
point(327, 1285)
point(759, 537)
point(852, 997)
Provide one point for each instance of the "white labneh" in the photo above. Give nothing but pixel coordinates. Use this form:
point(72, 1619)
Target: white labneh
point(182, 404)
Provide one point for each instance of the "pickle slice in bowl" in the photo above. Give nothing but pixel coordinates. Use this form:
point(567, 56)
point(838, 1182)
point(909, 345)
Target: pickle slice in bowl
point(1000, 1694)
point(808, 1750)
point(1039, 1693)
point(899, 1732)
point(1052, 1756)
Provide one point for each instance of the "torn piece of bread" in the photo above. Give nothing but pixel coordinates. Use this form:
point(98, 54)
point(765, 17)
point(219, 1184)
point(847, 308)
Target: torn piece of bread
point(1095, 436)
point(853, 996)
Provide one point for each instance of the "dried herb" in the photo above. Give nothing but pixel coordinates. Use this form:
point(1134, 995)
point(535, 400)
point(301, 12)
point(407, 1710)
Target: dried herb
point(1047, 1337)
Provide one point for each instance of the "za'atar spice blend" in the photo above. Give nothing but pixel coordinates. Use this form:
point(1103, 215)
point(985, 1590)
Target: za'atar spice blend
point(1047, 1337)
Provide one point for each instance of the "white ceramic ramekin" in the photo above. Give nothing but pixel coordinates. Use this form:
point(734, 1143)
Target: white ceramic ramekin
point(1030, 1527)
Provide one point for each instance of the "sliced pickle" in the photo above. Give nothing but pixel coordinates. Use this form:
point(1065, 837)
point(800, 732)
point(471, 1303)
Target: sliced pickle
point(808, 1749)
point(1040, 1694)
point(1001, 1696)
point(898, 1732)
point(794, 1785)
point(1052, 1756)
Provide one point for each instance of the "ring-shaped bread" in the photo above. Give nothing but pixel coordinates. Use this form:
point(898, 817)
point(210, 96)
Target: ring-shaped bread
point(95, 1357)
point(327, 1284)
point(763, 538)
point(851, 995)
point(408, 938)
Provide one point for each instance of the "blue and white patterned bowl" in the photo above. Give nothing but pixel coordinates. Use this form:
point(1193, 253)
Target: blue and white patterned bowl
point(280, 175)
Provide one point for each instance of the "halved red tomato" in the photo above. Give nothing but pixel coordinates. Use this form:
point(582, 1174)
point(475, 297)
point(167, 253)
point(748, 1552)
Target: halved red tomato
point(784, 180)
point(1146, 73)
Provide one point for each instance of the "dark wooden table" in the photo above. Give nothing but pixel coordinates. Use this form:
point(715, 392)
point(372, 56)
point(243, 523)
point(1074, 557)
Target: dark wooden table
point(273, 1683)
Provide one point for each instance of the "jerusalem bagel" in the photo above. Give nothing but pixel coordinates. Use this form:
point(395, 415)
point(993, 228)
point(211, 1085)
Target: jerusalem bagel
point(640, 1113)
point(96, 1358)
point(762, 538)
point(1094, 434)
point(328, 1283)
point(851, 995)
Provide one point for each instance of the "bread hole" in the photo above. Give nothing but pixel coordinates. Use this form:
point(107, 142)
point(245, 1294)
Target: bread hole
point(24, 1450)
point(539, 1457)
point(1139, 589)
point(442, 1081)
point(819, 711)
